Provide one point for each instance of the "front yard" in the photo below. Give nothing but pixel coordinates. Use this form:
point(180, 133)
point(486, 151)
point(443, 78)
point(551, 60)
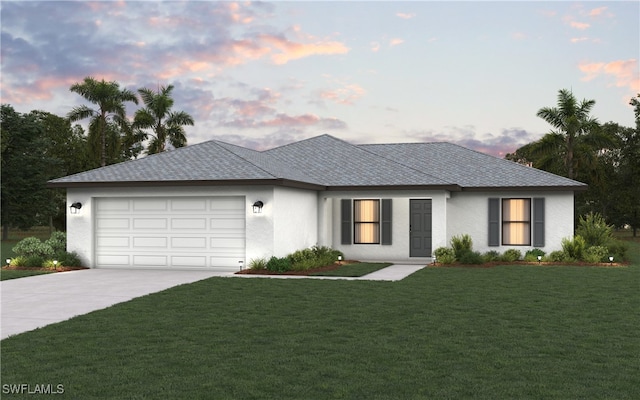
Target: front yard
point(504, 332)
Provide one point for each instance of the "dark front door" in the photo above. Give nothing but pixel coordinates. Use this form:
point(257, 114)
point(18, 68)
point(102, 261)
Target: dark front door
point(420, 228)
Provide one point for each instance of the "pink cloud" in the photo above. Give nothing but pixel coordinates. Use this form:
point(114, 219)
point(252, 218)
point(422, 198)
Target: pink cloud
point(624, 72)
point(597, 11)
point(580, 39)
point(395, 42)
point(344, 95)
point(375, 47)
point(289, 50)
point(405, 15)
point(579, 25)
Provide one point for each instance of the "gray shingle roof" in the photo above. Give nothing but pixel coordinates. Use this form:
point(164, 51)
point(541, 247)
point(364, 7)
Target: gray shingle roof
point(325, 161)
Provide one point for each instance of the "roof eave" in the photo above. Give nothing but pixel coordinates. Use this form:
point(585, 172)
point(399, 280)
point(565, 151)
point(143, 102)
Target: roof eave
point(237, 182)
point(452, 188)
point(564, 188)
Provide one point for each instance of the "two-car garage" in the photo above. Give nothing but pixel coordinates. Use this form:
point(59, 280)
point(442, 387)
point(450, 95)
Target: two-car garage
point(170, 232)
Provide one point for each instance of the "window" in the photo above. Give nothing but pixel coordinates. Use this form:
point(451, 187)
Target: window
point(366, 221)
point(516, 222)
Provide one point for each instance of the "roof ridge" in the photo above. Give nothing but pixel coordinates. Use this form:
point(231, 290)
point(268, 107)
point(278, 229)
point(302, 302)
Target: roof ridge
point(221, 143)
point(408, 166)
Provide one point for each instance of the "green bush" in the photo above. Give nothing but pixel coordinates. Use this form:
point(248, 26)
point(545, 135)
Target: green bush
point(33, 247)
point(555, 256)
point(461, 244)
point(596, 254)
point(594, 230)
point(57, 242)
point(445, 255)
point(34, 262)
point(511, 255)
point(574, 248)
point(618, 249)
point(491, 256)
point(276, 264)
point(258, 263)
point(471, 257)
point(17, 261)
point(314, 257)
point(69, 259)
point(532, 255)
point(49, 264)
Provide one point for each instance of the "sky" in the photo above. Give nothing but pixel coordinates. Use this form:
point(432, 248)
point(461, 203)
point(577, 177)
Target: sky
point(263, 74)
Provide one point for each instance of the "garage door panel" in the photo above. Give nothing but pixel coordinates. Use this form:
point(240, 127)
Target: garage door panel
point(144, 260)
point(189, 223)
point(150, 242)
point(190, 205)
point(113, 223)
point(150, 205)
point(149, 223)
point(113, 260)
point(121, 242)
point(189, 242)
point(165, 232)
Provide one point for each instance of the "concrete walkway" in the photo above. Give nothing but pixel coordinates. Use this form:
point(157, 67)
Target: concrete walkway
point(37, 301)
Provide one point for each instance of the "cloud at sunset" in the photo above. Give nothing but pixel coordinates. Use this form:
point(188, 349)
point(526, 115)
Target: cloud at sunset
point(624, 72)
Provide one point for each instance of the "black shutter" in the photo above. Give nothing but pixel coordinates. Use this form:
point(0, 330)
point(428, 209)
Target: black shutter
point(538, 222)
point(346, 221)
point(494, 222)
point(386, 222)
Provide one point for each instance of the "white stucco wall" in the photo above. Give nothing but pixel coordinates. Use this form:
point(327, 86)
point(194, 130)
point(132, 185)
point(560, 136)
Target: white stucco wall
point(329, 223)
point(468, 214)
point(259, 227)
point(295, 220)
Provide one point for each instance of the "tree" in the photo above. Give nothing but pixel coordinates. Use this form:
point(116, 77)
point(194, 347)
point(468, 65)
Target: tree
point(576, 139)
point(109, 99)
point(26, 167)
point(167, 126)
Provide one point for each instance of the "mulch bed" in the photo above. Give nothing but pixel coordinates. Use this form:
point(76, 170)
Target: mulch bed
point(303, 273)
point(542, 264)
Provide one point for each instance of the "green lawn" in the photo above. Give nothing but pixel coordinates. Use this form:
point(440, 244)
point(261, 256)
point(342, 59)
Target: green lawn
point(512, 332)
point(353, 270)
point(19, 273)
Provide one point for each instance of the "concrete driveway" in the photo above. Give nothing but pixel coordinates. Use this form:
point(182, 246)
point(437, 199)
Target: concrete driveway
point(37, 301)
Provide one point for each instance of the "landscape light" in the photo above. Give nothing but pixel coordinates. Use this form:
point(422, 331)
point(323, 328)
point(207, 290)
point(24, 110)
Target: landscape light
point(339, 259)
point(610, 259)
point(539, 259)
point(8, 261)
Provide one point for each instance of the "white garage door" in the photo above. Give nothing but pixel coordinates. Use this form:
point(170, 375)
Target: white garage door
point(170, 232)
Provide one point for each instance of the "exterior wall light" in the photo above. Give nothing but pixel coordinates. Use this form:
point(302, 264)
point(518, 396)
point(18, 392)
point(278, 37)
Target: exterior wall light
point(257, 207)
point(75, 207)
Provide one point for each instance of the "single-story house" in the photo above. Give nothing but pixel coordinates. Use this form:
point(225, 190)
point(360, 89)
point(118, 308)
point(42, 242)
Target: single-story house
point(218, 205)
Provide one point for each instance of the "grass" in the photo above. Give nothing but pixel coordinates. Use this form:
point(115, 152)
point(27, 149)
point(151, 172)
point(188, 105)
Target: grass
point(353, 270)
point(20, 273)
point(522, 332)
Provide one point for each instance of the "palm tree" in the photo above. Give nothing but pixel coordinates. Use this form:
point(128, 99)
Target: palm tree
point(109, 99)
point(167, 125)
point(577, 136)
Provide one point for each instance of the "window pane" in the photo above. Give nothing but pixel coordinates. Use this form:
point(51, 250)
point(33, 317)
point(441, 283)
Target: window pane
point(516, 222)
point(366, 217)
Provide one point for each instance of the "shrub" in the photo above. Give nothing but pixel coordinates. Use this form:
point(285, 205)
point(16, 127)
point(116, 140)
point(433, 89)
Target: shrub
point(594, 229)
point(57, 242)
point(49, 264)
point(258, 263)
point(573, 248)
point(461, 244)
point(556, 256)
point(32, 246)
point(596, 254)
point(69, 259)
point(471, 257)
point(276, 264)
point(314, 257)
point(532, 255)
point(445, 255)
point(33, 262)
point(490, 256)
point(17, 261)
point(618, 249)
point(511, 255)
